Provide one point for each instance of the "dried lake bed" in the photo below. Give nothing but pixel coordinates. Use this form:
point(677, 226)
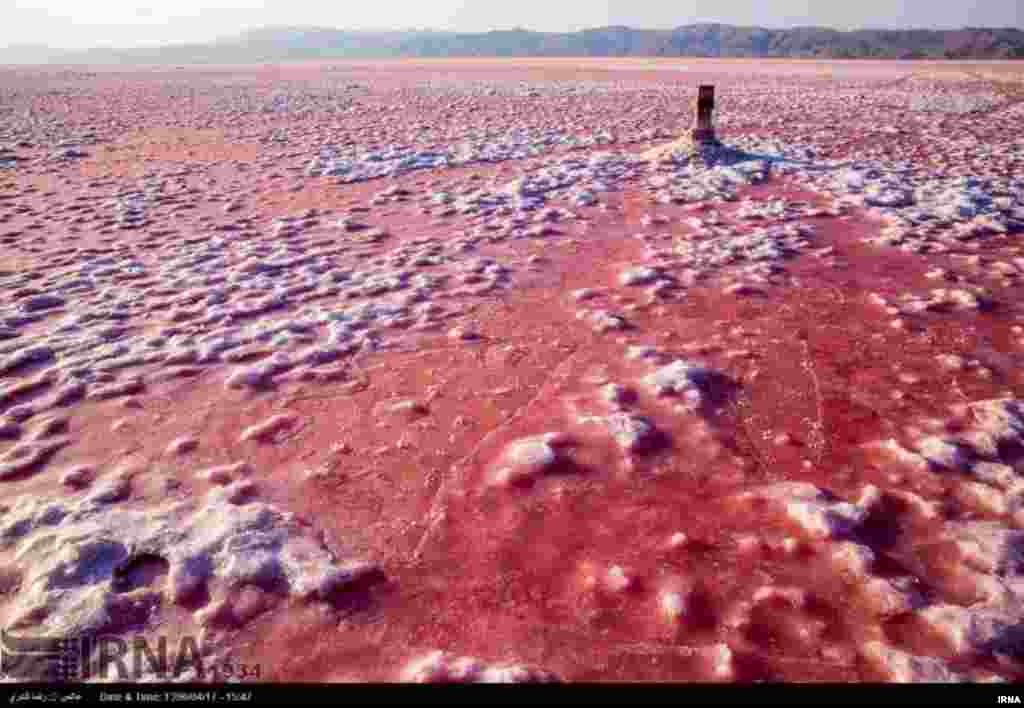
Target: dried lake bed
point(467, 370)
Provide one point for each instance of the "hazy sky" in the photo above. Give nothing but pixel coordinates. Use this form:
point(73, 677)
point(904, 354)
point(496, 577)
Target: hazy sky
point(123, 23)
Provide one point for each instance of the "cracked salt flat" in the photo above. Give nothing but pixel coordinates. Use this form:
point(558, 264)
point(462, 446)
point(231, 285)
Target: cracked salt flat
point(71, 554)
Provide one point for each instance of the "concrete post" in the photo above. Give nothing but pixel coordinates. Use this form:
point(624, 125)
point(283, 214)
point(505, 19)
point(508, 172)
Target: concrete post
point(705, 130)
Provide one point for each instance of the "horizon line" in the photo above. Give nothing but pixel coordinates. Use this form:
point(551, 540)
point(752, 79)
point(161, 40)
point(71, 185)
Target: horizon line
point(516, 28)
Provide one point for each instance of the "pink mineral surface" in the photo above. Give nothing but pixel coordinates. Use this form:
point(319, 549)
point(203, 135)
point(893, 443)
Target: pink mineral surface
point(471, 370)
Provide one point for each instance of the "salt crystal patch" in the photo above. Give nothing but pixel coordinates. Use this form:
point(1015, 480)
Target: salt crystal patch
point(786, 546)
point(748, 544)
point(995, 474)
point(559, 439)
point(26, 457)
point(258, 567)
point(672, 604)
point(225, 474)
point(523, 460)
point(463, 333)
point(1003, 418)
point(633, 433)
point(900, 667)
point(983, 498)
point(216, 540)
point(639, 276)
point(603, 321)
point(975, 628)
point(678, 378)
point(944, 453)
point(890, 597)
point(465, 669)
point(443, 667)
point(897, 452)
point(319, 355)
point(617, 580)
point(981, 443)
point(41, 302)
point(237, 493)
point(21, 413)
point(989, 546)
point(638, 352)
point(853, 559)
point(260, 374)
point(78, 476)
point(744, 289)
point(110, 490)
point(811, 509)
point(182, 446)
point(951, 362)
point(69, 393)
point(677, 540)
point(50, 426)
point(410, 407)
point(618, 395)
point(128, 387)
point(269, 428)
point(188, 576)
point(430, 668)
point(585, 294)
point(28, 355)
point(719, 662)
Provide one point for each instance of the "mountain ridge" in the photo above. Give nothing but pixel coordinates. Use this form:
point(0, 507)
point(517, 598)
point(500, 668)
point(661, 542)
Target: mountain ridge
point(708, 39)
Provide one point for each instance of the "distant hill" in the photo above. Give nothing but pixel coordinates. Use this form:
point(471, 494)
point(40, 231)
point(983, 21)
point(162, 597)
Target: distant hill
point(697, 40)
point(29, 54)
